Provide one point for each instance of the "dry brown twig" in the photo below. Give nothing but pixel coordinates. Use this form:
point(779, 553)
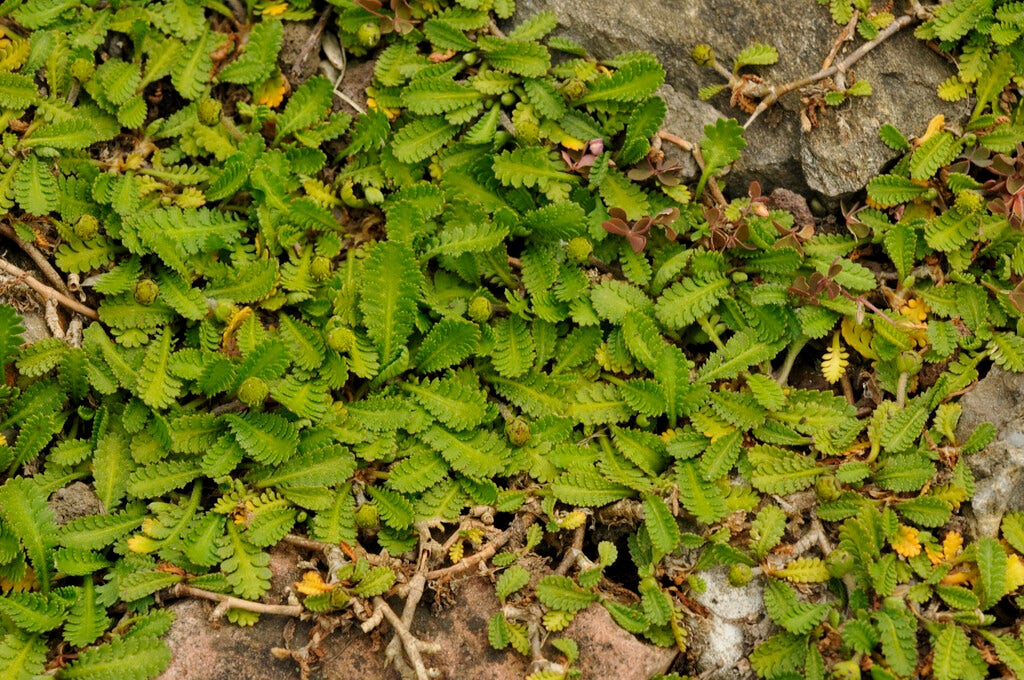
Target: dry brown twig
point(46, 291)
point(226, 602)
point(767, 93)
point(40, 260)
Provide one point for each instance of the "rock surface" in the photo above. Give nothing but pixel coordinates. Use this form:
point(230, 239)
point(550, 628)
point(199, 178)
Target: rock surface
point(736, 623)
point(217, 650)
point(779, 153)
point(999, 469)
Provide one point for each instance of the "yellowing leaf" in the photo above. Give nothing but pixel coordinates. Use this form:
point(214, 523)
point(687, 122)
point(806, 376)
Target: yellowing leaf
point(835, 361)
point(312, 584)
point(456, 552)
point(858, 337)
point(574, 519)
point(935, 125)
point(271, 93)
point(906, 542)
point(275, 10)
point(915, 309)
point(1014, 573)
point(952, 545)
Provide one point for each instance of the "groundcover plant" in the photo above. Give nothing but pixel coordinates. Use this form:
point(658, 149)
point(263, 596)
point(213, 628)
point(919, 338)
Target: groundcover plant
point(446, 330)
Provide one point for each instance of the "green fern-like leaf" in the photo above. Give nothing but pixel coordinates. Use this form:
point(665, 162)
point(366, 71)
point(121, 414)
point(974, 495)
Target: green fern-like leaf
point(789, 611)
point(618, 191)
point(661, 525)
point(266, 437)
point(525, 58)
point(35, 187)
point(950, 653)
point(780, 471)
point(191, 74)
point(935, 152)
point(480, 456)
point(530, 167)
point(701, 498)
point(34, 612)
point(634, 81)
point(258, 55)
point(388, 297)
point(896, 629)
point(890, 190)
point(449, 342)
point(23, 507)
point(156, 386)
point(94, 532)
point(17, 91)
point(514, 349)
point(562, 593)
point(422, 138)
point(395, 509)
point(432, 96)
point(456, 404)
point(1010, 650)
point(644, 122)
point(159, 478)
point(22, 656)
point(757, 54)
point(245, 566)
point(134, 658)
point(588, 489)
point(686, 300)
point(11, 329)
point(598, 404)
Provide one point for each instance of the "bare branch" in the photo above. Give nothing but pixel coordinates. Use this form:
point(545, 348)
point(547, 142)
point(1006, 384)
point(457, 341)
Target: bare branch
point(46, 291)
point(228, 602)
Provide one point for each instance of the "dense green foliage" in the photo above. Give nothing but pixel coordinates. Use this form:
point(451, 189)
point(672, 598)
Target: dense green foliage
point(485, 292)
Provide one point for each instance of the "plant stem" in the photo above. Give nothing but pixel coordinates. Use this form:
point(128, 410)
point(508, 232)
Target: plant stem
point(230, 602)
point(769, 94)
point(47, 292)
point(709, 329)
point(783, 377)
point(44, 264)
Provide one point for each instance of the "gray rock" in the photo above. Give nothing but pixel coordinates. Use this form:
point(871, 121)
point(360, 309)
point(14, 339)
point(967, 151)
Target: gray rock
point(736, 622)
point(836, 158)
point(998, 470)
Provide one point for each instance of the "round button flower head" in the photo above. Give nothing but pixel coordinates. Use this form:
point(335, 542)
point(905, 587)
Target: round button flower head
point(480, 309)
point(341, 339)
point(320, 268)
point(253, 391)
point(209, 111)
point(579, 249)
point(87, 227)
point(146, 291)
point(368, 34)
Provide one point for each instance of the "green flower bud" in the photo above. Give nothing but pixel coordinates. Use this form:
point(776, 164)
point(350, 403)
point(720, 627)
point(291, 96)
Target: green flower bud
point(225, 311)
point(373, 195)
point(480, 309)
point(740, 575)
point(87, 227)
point(470, 58)
point(341, 339)
point(320, 268)
point(579, 249)
point(739, 277)
point(518, 431)
point(146, 291)
point(508, 99)
point(368, 34)
point(209, 111)
point(969, 202)
point(82, 69)
point(839, 562)
point(253, 391)
point(574, 88)
point(367, 516)
point(845, 670)
point(909, 362)
point(827, 488)
point(703, 55)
